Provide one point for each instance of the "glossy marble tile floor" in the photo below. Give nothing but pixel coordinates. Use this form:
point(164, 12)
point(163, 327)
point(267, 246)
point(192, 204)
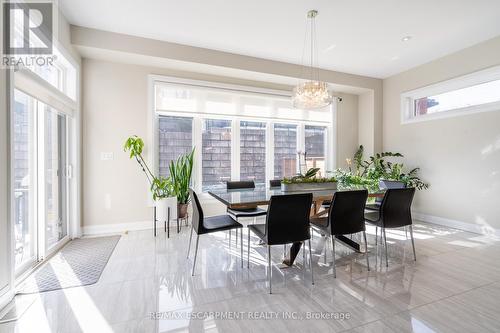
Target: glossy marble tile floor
point(147, 287)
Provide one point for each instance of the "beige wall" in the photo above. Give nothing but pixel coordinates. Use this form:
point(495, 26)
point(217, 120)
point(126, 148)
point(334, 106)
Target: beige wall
point(366, 125)
point(459, 157)
point(115, 106)
point(347, 129)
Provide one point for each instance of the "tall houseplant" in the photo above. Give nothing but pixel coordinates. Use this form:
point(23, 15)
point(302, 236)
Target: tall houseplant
point(180, 173)
point(161, 187)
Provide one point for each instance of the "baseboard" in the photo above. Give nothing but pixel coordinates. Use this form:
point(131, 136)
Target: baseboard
point(470, 227)
point(118, 228)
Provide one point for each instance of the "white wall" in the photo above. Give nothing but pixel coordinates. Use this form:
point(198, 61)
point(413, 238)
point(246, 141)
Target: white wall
point(459, 157)
point(115, 106)
point(5, 236)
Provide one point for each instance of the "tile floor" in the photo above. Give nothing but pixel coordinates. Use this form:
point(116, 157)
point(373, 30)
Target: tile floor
point(147, 287)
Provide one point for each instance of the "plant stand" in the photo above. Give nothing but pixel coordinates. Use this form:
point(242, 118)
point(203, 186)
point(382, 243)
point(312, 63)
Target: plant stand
point(179, 221)
point(167, 221)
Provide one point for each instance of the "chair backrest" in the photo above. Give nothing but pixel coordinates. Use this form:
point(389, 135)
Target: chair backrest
point(197, 219)
point(347, 212)
point(387, 184)
point(275, 183)
point(234, 185)
point(395, 210)
point(288, 218)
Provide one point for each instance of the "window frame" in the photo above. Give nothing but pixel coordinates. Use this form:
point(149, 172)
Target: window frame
point(479, 77)
point(198, 118)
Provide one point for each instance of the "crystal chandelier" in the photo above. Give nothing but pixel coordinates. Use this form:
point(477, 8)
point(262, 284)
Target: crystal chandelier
point(312, 93)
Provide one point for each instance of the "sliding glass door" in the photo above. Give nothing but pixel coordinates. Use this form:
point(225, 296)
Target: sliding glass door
point(24, 180)
point(40, 183)
point(55, 183)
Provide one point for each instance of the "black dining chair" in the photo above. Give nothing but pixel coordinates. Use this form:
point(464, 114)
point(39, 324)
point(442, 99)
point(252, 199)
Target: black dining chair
point(385, 185)
point(243, 212)
point(287, 222)
point(207, 225)
point(395, 212)
point(345, 217)
point(275, 183)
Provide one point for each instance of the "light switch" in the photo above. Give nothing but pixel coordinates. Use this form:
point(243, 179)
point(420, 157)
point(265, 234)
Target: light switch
point(106, 156)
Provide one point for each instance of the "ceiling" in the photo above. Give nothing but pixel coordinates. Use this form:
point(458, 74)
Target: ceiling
point(355, 36)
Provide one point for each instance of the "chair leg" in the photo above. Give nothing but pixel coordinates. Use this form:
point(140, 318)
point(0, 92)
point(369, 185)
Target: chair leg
point(310, 262)
point(241, 246)
point(406, 232)
point(284, 251)
point(413, 243)
point(248, 250)
point(190, 237)
point(236, 237)
point(366, 251)
point(230, 238)
point(304, 253)
point(385, 245)
point(269, 268)
point(333, 255)
point(195, 254)
point(376, 235)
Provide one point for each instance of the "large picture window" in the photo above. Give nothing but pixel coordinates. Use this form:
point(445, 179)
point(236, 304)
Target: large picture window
point(253, 151)
point(216, 153)
point(285, 150)
point(238, 134)
point(175, 137)
point(315, 144)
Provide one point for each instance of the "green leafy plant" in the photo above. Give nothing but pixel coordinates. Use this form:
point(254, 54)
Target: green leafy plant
point(160, 187)
point(369, 172)
point(180, 172)
point(308, 177)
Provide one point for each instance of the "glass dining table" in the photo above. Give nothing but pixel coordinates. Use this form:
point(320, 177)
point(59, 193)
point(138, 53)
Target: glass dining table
point(261, 195)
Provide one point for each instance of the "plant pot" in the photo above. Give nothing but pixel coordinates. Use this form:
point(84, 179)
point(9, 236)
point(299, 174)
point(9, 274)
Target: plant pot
point(387, 184)
point(300, 187)
point(162, 206)
point(182, 210)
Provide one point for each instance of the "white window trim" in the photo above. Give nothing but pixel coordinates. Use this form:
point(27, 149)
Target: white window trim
point(152, 135)
point(408, 98)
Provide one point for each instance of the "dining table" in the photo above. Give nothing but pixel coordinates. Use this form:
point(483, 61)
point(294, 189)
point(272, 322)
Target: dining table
point(261, 196)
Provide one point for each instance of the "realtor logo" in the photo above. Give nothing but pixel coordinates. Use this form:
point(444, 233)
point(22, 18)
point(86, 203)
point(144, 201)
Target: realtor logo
point(28, 28)
point(28, 36)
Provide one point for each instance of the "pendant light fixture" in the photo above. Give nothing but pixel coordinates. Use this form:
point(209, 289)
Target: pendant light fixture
point(312, 93)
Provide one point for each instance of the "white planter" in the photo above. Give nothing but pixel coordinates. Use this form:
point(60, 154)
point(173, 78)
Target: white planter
point(162, 206)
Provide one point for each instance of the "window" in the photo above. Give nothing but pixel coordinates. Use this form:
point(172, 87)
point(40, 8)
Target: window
point(476, 95)
point(55, 181)
point(239, 133)
point(285, 150)
point(253, 151)
point(24, 178)
point(40, 188)
point(216, 153)
point(60, 73)
point(476, 92)
point(175, 135)
point(315, 148)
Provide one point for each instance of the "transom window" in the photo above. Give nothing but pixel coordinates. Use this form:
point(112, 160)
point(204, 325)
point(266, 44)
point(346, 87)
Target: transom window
point(476, 92)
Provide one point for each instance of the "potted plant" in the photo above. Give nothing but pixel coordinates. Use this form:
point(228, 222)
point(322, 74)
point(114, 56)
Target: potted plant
point(180, 173)
point(376, 172)
point(161, 188)
point(308, 181)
